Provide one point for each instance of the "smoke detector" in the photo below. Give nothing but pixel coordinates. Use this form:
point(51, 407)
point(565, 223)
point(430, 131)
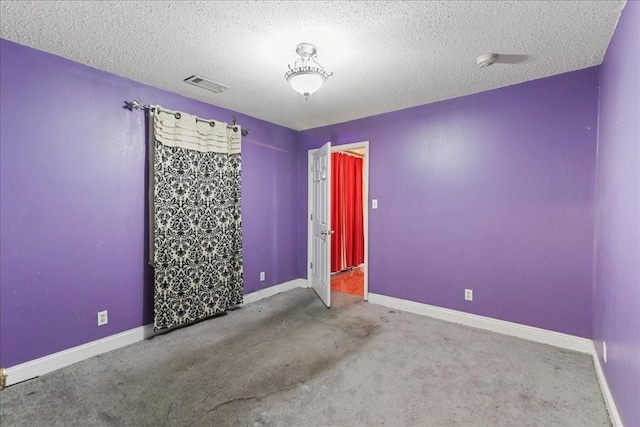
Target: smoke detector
point(205, 83)
point(486, 60)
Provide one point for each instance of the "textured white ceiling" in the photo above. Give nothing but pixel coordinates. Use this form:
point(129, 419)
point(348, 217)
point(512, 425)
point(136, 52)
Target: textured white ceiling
point(385, 56)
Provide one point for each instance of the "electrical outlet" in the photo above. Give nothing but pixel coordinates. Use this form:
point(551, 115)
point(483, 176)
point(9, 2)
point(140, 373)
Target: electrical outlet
point(262, 276)
point(468, 294)
point(374, 204)
point(103, 318)
point(604, 351)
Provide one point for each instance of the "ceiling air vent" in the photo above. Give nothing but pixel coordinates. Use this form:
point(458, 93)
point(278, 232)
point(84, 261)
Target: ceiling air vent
point(205, 83)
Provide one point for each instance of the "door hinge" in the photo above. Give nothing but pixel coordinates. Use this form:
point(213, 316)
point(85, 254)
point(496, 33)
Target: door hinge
point(311, 217)
point(311, 266)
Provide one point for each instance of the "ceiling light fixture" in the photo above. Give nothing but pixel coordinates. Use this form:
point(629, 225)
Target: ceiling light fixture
point(307, 75)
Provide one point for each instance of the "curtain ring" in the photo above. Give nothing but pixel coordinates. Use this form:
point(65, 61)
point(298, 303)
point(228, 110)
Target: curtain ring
point(177, 115)
point(212, 124)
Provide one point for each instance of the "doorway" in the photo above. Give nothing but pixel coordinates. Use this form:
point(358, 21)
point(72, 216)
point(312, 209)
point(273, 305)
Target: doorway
point(349, 270)
point(347, 220)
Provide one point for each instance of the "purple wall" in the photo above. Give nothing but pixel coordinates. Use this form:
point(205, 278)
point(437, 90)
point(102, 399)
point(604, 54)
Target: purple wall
point(617, 274)
point(492, 191)
point(72, 202)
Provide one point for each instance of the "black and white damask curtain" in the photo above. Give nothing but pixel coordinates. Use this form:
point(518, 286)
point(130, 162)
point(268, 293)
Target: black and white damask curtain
point(195, 225)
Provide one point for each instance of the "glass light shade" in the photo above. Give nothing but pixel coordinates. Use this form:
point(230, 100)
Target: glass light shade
point(306, 83)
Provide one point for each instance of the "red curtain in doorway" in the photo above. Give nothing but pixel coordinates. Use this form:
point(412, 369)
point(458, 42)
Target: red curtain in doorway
point(347, 215)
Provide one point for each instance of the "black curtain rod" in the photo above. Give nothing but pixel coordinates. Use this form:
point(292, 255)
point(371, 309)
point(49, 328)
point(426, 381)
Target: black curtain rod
point(137, 105)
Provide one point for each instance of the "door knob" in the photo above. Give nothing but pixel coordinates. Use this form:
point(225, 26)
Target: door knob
point(326, 232)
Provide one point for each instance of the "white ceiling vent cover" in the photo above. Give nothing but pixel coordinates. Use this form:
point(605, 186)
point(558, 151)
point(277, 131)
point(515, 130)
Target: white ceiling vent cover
point(205, 83)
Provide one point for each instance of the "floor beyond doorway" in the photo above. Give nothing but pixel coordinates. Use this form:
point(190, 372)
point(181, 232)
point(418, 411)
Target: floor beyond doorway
point(350, 281)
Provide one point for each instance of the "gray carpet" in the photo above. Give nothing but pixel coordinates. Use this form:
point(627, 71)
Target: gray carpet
point(289, 361)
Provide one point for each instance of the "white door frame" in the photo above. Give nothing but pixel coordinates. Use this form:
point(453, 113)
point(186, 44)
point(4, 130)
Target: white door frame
point(365, 191)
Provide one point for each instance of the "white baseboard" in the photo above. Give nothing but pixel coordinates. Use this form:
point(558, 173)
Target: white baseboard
point(583, 345)
point(274, 290)
point(606, 393)
point(43, 365)
point(52, 362)
point(303, 283)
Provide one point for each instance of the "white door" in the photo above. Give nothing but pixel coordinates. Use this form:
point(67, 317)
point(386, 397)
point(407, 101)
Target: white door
point(321, 223)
